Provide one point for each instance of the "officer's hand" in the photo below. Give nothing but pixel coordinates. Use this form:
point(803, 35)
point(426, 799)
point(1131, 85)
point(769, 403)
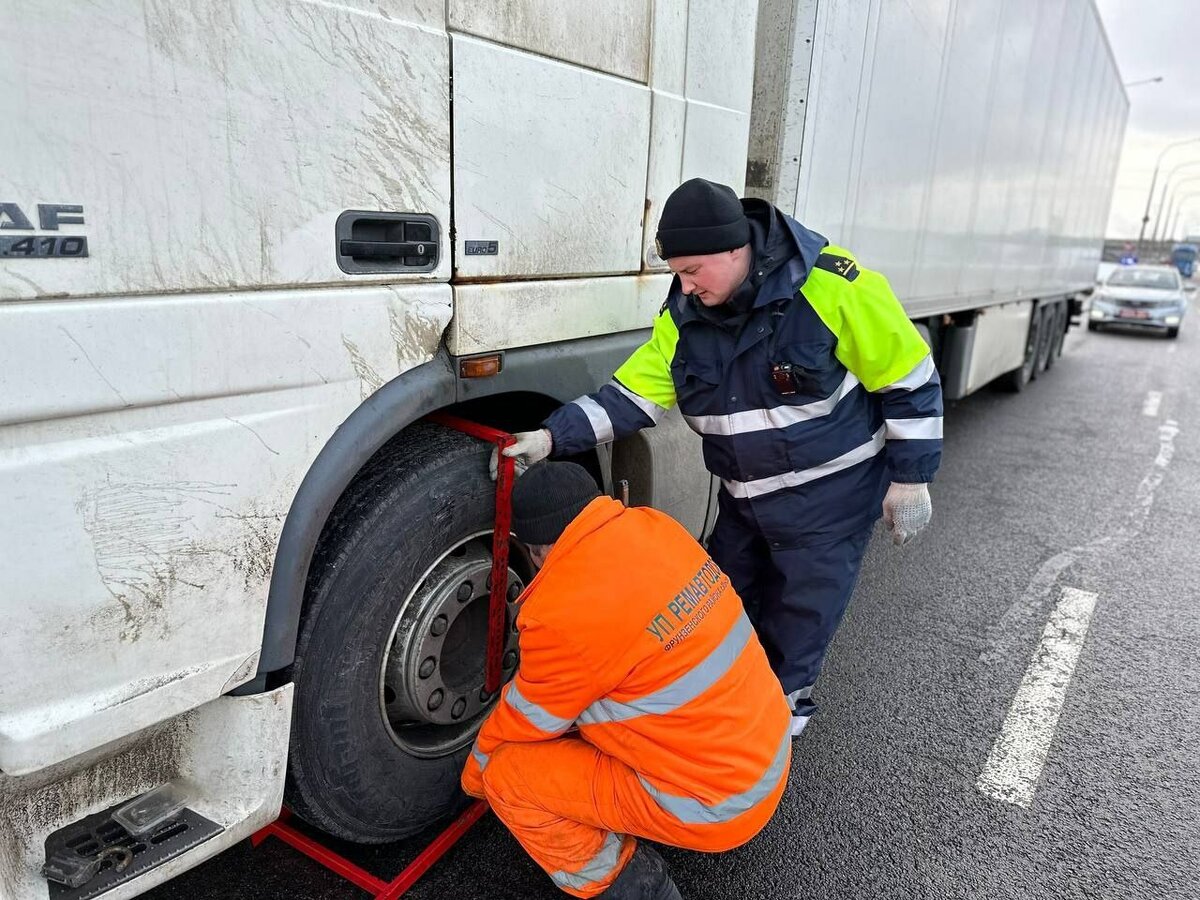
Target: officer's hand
point(530, 447)
point(907, 509)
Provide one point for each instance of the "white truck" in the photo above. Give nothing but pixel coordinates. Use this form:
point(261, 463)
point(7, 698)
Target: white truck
point(246, 246)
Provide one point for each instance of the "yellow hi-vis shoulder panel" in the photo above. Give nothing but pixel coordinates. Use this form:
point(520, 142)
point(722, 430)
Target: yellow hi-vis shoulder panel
point(875, 339)
point(647, 372)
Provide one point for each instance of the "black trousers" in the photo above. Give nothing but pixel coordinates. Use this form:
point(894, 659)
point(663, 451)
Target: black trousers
point(795, 597)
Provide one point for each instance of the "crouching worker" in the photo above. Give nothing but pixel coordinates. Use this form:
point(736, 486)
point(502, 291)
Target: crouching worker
point(632, 634)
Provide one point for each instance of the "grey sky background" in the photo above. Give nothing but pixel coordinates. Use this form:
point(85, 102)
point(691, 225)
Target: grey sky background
point(1158, 37)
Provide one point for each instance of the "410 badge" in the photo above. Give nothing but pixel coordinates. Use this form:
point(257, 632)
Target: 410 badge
point(31, 247)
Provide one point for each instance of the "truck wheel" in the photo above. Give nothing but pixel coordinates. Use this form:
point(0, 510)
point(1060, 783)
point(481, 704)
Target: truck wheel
point(1018, 378)
point(1048, 319)
point(389, 670)
point(1058, 333)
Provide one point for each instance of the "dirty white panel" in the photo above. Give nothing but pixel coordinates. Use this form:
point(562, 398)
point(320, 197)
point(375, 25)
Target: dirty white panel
point(422, 12)
point(213, 145)
point(519, 314)
point(898, 133)
point(613, 36)
point(668, 117)
point(720, 52)
point(1002, 150)
point(1023, 239)
point(549, 163)
point(962, 121)
point(714, 145)
point(840, 72)
point(701, 121)
point(668, 47)
point(150, 448)
point(228, 755)
point(957, 147)
point(1052, 97)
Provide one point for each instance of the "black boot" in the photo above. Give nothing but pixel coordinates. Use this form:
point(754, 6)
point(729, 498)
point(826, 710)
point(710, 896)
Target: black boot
point(645, 877)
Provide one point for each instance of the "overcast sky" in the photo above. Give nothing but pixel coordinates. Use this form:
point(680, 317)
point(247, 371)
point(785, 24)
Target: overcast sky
point(1156, 38)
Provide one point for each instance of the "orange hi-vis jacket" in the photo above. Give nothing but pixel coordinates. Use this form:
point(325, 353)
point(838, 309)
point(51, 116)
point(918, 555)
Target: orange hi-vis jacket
point(633, 634)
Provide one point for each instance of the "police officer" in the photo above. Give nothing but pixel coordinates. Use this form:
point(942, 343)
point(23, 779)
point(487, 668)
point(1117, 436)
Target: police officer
point(816, 398)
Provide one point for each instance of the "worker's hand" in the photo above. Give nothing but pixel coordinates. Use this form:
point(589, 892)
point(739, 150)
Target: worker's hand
point(907, 509)
point(530, 447)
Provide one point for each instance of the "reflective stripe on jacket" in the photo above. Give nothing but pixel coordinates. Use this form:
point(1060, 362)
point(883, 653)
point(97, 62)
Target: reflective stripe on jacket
point(867, 406)
point(633, 634)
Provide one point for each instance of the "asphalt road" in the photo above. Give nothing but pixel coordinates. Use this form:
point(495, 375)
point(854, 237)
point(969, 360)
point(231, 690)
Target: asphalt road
point(1077, 496)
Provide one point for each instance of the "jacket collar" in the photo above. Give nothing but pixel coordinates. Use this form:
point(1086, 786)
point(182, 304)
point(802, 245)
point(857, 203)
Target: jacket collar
point(786, 280)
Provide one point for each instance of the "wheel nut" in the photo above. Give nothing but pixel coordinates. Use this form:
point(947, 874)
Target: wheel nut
point(439, 626)
point(460, 707)
point(435, 699)
point(427, 666)
point(514, 590)
point(510, 659)
point(464, 592)
point(484, 696)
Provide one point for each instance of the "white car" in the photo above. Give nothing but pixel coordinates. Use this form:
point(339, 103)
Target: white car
point(1146, 297)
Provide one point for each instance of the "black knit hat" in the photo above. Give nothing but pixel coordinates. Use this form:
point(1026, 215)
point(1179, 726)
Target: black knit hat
point(699, 218)
point(547, 497)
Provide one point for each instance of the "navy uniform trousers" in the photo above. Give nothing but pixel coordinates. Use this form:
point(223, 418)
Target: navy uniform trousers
point(795, 597)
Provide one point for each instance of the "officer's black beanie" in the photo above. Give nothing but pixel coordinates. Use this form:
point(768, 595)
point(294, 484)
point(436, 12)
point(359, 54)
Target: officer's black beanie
point(547, 497)
point(701, 217)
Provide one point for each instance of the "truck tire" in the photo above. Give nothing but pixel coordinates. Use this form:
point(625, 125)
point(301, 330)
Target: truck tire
point(1018, 378)
point(389, 662)
point(1045, 339)
point(1058, 332)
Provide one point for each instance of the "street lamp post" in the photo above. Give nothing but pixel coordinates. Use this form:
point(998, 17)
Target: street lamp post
point(1171, 205)
point(1179, 213)
point(1159, 220)
point(1154, 181)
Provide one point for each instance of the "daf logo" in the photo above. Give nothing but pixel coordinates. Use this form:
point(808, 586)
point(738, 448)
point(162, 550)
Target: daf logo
point(50, 217)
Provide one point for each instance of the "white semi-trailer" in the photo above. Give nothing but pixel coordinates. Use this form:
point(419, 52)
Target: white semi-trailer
point(246, 247)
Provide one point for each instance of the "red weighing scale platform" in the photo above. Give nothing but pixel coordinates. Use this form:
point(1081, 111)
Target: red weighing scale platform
point(334, 862)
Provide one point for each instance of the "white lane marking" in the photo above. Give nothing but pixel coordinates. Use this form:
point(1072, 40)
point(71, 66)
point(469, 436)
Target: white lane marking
point(1018, 756)
point(1019, 615)
point(1151, 404)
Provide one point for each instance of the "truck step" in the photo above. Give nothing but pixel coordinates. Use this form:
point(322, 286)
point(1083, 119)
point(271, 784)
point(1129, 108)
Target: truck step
point(101, 844)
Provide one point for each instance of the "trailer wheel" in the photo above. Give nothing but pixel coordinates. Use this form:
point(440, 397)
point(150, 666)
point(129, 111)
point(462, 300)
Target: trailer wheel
point(1018, 378)
point(388, 675)
point(1047, 318)
point(1058, 332)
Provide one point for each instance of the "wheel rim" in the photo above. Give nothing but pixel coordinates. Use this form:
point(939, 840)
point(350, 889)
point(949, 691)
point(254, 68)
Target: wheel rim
point(431, 685)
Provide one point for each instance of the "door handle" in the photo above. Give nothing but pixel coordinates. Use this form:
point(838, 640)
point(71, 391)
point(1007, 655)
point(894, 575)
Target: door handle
point(374, 243)
point(385, 249)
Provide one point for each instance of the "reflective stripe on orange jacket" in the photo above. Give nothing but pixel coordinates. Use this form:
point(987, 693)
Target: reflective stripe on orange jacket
point(632, 633)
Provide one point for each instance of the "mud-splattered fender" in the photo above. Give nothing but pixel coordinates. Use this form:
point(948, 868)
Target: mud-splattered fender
point(392, 407)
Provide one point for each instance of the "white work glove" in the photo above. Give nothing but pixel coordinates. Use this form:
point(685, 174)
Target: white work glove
point(907, 509)
point(530, 447)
